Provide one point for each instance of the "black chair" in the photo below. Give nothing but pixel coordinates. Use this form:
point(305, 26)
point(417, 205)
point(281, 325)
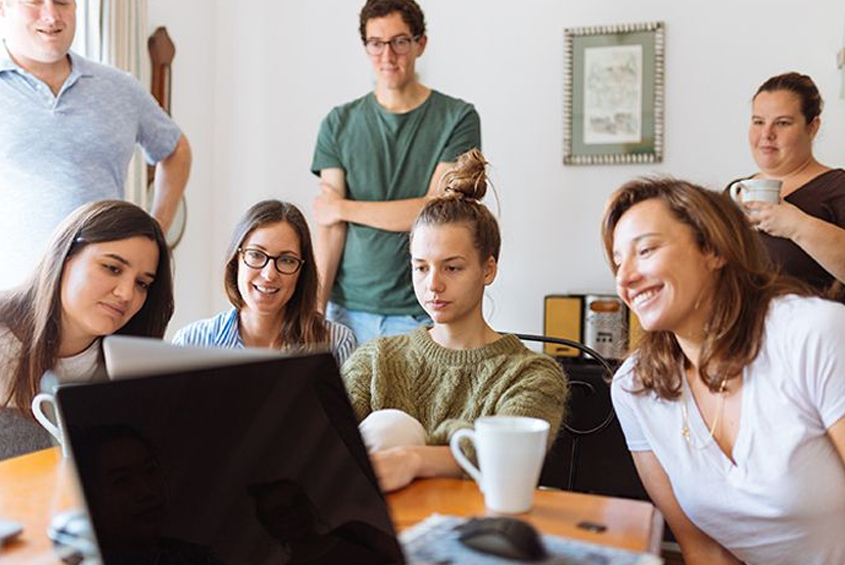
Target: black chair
point(589, 453)
point(20, 435)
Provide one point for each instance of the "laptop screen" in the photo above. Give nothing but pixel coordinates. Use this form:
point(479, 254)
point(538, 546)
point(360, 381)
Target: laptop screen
point(130, 356)
point(255, 463)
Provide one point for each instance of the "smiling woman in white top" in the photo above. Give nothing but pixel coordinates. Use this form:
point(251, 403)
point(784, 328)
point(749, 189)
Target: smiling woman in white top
point(105, 271)
point(271, 281)
point(734, 402)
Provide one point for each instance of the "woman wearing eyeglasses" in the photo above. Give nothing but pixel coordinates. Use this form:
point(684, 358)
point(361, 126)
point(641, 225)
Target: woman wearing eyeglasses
point(271, 281)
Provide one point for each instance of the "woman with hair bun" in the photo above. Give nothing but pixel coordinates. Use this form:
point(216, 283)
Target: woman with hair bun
point(425, 385)
point(804, 234)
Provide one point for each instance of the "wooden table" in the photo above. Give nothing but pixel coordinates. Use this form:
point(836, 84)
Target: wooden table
point(36, 486)
point(631, 524)
point(32, 489)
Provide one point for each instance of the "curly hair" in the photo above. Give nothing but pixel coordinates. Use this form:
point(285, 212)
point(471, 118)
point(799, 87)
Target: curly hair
point(410, 11)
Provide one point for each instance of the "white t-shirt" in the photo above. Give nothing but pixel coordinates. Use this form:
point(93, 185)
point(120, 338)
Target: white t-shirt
point(82, 367)
point(784, 500)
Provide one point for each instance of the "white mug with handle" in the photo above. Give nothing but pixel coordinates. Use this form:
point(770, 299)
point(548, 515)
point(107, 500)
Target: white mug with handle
point(756, 190)
point(40, 403)
point(510, 452)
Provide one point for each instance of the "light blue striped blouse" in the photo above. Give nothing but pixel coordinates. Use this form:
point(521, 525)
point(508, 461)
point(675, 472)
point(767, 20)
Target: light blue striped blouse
point(223, 331)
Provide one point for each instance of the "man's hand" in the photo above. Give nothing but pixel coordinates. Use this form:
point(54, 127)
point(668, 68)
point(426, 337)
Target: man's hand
point(327, 206)
point(396, 467)
point(171, 177)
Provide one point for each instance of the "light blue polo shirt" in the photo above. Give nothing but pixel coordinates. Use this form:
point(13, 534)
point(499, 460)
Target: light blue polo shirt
point(59, 152)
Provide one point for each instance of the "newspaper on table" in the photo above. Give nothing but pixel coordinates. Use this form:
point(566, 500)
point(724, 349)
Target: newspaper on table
point(434, 541)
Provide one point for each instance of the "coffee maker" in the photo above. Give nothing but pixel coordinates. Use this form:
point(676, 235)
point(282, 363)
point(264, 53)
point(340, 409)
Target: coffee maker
point(599, 321)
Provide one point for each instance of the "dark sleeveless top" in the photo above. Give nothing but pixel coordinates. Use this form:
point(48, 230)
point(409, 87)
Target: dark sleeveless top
point(822, 197)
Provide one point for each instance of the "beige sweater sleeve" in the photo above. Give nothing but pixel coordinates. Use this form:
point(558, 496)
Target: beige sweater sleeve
point(531, 385)
point(541, 392)
point(357, 373)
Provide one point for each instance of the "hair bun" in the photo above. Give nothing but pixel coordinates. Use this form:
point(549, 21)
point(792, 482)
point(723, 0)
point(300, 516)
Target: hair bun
point(469, 178)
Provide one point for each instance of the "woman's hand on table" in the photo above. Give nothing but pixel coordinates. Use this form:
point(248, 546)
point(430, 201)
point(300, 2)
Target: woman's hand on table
point(396, 467)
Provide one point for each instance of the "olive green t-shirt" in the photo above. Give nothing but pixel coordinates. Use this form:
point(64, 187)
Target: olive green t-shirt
point(388, 157)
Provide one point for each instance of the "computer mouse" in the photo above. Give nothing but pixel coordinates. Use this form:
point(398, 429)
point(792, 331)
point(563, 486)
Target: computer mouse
point(72, 537)
point(506, 537)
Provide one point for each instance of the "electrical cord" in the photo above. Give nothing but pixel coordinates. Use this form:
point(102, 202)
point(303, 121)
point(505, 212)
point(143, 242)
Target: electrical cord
point(598, 358)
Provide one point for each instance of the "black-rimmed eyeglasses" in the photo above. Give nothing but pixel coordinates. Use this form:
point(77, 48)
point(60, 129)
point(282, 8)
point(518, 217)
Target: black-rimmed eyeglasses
point(285, 263)
point(400, 45)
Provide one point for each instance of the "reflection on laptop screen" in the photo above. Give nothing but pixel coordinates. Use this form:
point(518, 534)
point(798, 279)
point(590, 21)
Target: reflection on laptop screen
point(256, 463)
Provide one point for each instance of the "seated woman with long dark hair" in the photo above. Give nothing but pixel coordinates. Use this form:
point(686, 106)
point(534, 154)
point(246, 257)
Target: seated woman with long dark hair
point(734, 402)
point(105, 271)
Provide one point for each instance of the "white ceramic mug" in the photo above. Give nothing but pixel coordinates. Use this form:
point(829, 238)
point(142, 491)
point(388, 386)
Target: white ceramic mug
point(756, 190)
point(40, 405)
point(510, 452)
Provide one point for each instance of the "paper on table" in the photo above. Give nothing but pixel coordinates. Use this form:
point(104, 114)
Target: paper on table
point(434, 541)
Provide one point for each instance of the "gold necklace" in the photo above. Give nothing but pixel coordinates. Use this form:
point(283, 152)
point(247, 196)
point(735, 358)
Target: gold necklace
point(686, 431)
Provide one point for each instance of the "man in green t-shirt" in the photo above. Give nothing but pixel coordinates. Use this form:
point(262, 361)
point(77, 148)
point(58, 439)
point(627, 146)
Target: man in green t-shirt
point(378, 158)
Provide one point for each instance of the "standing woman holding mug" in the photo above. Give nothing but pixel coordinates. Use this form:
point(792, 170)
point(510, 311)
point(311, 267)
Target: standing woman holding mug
point(105, 271)
point(804, 234)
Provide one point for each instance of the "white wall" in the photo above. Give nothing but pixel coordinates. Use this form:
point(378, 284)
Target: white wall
point(191, 25)
point(255, 77)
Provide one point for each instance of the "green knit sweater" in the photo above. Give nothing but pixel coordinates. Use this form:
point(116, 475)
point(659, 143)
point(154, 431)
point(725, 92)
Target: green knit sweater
point(448, 389)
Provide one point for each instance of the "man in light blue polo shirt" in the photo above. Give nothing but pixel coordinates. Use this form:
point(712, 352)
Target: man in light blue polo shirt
point(68, 128)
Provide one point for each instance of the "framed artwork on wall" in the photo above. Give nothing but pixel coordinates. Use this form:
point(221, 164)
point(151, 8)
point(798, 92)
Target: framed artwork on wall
point(613, 94)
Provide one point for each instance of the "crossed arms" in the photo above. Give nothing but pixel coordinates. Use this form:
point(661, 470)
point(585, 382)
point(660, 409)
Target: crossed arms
point(333, 211)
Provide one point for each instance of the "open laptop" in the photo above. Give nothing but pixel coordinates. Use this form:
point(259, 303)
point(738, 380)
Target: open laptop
point(254, 463)
point(130, 356)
